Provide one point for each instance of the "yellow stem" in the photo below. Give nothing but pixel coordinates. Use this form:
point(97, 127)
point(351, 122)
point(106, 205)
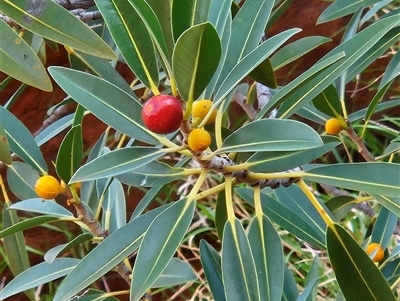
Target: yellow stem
point(329, 222)
point(74, 194)
point(197, 185)
point(213, 190)
point(4, 190)
point(229, 199)
point(125, 292)
point(363, 199)
point(257, 201)
point(191, 171)
point(121, 141)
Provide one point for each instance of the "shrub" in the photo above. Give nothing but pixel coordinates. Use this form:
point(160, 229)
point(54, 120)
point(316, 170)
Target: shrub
point(255, 179)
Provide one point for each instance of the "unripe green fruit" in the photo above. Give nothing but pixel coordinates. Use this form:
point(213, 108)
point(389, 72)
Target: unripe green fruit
point(162, 114)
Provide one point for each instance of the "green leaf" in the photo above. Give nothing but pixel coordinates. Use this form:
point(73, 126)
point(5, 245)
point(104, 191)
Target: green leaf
point(51, 254)
point(266, 248)
point(21, 141)
point(211, 263)
point(114, 249)
point(150, 195)
point(393, 203)
point(374, 102)
point(176, 272)
point(250, 62)
point(276, 135)
point(70, 154)
point(392, 70)
point(151, 174)
point(21, 180)
point(328, 102)
point(305, 91)
point(37, 275)
point(374, 53)
point(292, 198)
point(384, 227)
point(339, 206)
point(53, 129)
point(27, 224)
point(221, 214)
point(102, 68)
point(264, 74)
point(54, 22)
point(341, 8)
point(311, 113)
point(358, 277)
point(169, 228)
point(195, 59)
point(279, 161)
point(359, 177)
point(286, 217)
point(238, 267)
point(290, 292)
point(5, 152)
point(308, 291)
point(114, 207)
point(109, 103)
point(295, 50)
point(37, 205)
point(20, 61)
point(247, 29)
point(162, 9)
point(15, 247)
point(379, 108)
point(186, 14)
point(132, 38)
point(116, 162)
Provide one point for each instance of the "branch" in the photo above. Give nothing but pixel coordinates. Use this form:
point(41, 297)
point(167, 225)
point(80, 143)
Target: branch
point(362, 149)
point(74, 4)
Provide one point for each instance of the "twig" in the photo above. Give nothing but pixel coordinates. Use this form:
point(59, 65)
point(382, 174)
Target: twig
point(362, 149)
point(96, 229)
point(74, 4)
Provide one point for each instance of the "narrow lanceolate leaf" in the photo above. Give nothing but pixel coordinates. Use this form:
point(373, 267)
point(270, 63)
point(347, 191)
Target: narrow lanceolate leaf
point(152, 174)
point(266, 248)
point(114, 249)
point(290, 291)
point(287, 217)
point(116, 162)
point(279, 161)
point(238, 267)
point(26, 224)
point(70, 154)
point(20, 61)
point(187, 13)
point(341, 8)
point(248, 26)
point(21, 141)
point(37, 275)
point(176, 272)
point(358, 276)
point(132, 38)
point(384, 227)
point(15, 247)
point(211, 263)
point(21, 179)
point(5, 152)
point(250, 62)
point(159, 244)
point(54, 22)
point(271, 135)
point(359, 177)
point(339, 206)
point(51, 254)
point(392, 70)
point(295, 50)
point(354, 49)
point(374, 102)
point(393, 203)
point(37, 205)
point(328, 102)
point(109, 103)
point(195, 59)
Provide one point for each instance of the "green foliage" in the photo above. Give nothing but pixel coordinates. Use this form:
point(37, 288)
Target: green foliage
point(241, 206)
